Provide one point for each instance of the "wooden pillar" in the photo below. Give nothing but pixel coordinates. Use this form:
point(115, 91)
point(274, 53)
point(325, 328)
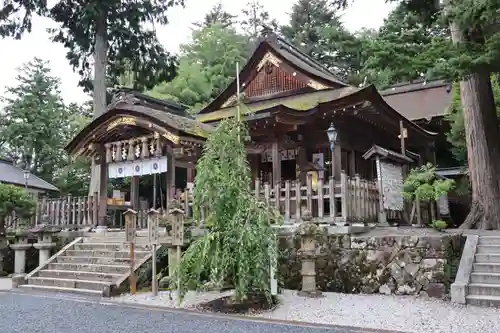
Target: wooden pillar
point(352, 163)
point(337, 160)
point(254, 166)
point(134, 192)
point(103, 188)
point(276, 163)
point(190, 174)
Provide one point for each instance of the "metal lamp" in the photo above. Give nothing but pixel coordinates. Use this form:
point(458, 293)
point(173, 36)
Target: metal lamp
point(332, 136)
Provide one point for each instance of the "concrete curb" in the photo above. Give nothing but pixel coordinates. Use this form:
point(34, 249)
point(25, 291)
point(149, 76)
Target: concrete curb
point(234, 317)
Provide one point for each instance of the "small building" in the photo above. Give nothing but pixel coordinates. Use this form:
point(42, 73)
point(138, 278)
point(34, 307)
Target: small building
point(10, 174)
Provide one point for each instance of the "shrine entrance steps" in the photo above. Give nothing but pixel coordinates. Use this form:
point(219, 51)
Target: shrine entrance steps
point(484, 285)
point(93, 265)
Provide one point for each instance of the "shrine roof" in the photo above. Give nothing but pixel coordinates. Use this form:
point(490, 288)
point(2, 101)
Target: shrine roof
point(286, 52)
point(164, 115)
point(310, 101)
point(387, 154)
point(420, 99)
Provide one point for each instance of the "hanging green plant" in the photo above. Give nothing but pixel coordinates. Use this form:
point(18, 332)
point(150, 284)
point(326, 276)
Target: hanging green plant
point(241, 245)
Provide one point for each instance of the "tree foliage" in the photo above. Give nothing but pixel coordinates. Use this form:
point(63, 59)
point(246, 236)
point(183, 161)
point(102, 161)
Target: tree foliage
point(207, 66)
point(217, 15)
point(241, 242)
point(424, 183)
point(316, 28)
point(36, 125)
point(14, 199)
point(456, 135)
point(253, 18)
point(404, 49)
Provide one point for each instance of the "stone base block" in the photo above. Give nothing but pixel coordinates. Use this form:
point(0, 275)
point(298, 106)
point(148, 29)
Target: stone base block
point(311, 294)
point(18, 280)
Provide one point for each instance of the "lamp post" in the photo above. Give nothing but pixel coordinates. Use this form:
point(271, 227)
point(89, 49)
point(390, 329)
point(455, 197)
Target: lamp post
point(26, 177)
point(332, 136)
point(331, 132)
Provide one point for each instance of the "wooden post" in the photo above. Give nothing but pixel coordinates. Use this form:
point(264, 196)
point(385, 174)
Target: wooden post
point(287, 201)
point(153, 241)
point(130, 228)
point(333, 207)
point(177, 234)
point(276, 163)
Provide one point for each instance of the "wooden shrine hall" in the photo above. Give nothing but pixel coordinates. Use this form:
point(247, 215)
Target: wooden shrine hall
point(290, 102)
point(317, 145)
point(138, 136)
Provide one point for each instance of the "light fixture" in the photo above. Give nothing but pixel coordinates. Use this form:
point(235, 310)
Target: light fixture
point(332, 135)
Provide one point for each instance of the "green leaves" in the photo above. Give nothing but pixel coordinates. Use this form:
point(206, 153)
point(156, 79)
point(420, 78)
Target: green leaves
point(207, 66)
point(36, 125)
point(239, 246)
point(424, 183)
point(14, 199)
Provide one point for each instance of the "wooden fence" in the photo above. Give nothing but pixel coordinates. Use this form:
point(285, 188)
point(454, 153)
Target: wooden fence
point(351, 199)
point(68, 211)
point(354, 199)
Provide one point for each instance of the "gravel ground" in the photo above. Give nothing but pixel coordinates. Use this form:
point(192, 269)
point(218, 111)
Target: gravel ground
point(399, 313)
point(21, 313)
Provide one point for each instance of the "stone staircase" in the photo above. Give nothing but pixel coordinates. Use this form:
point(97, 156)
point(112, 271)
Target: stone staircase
point(95, 265)
point(484, 284)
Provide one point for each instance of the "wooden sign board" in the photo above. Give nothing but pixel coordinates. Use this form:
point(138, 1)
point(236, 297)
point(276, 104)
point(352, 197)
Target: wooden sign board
point(178, 230)
point(130, 228)
point(153, 236)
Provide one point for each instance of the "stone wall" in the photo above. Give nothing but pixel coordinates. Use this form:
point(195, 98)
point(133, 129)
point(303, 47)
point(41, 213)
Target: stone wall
point(403, 265)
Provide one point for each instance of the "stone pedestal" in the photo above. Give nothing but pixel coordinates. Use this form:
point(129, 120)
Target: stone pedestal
point(44, 233)
point(20, 247)
point(308, 232)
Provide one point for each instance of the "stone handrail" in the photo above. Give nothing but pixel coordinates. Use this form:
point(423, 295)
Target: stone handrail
point(51, 259)
point(459, 287)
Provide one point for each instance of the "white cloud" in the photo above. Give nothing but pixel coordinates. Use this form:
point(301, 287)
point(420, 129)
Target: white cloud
point(363, 13)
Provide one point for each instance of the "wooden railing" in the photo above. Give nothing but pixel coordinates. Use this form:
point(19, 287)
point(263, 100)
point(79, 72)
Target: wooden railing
point(354, 199)
point(351, 199)
point(68, 211)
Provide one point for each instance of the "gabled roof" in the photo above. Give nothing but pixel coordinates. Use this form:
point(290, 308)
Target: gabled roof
point(285, 51)
point(166, 118)
point(10, 174)
point(420, 99)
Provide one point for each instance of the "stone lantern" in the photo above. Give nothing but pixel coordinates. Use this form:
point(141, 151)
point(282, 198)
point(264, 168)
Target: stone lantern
point(20, 245)
point(44, 233)
point(308, 232)
point(176, 216)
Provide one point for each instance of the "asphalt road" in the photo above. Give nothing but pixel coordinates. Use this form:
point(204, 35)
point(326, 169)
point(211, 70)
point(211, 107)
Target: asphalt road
point(21, 313)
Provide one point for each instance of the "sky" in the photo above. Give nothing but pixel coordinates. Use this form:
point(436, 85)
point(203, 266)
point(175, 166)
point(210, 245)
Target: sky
point(362, 14)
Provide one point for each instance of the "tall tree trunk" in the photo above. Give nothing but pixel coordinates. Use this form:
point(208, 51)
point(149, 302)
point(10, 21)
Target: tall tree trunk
point(99, 93)
point(483, 154)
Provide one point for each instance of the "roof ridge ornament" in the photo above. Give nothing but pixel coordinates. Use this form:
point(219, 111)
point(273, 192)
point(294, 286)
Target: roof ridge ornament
point(123, 97)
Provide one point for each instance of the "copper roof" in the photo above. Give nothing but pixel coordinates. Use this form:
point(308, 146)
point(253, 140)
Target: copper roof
point(420, 100)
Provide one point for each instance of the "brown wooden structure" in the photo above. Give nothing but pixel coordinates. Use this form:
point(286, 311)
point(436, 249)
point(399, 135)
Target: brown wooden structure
point(138, 128)
point(288, 101)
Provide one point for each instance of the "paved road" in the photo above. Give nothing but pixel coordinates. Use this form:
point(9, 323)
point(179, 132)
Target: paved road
point(21, 313)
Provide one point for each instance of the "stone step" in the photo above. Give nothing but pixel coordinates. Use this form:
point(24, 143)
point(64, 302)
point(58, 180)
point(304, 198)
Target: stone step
point(480, 300)
point(105, 253)
point(484, 289)
point(113, 269)
point(71, 283)
point(33, 287)
point(489, 240)
point(118, 240)
point(93, 260)
point(486, 268)
point(488, 249)
point(79, 275)
point(486, 278)
point(487, 259)
point(110, 246)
